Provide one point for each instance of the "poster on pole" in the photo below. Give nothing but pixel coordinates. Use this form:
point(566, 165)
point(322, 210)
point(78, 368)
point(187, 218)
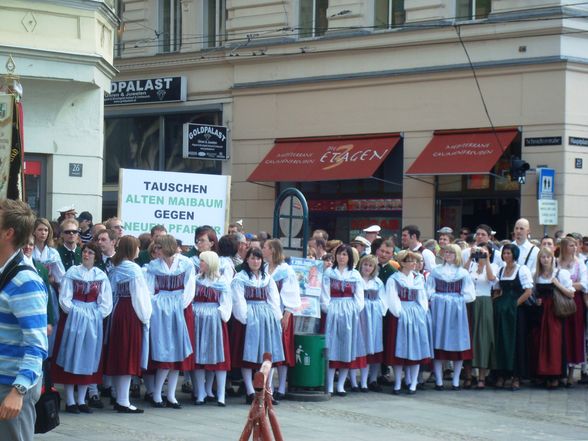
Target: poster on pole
point(181, 202)
point(309, 273)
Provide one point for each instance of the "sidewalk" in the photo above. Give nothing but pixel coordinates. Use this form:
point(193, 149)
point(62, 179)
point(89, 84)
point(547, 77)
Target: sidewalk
point(529, 414)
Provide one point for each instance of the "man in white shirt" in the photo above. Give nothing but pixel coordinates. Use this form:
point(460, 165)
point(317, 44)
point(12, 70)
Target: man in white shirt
point(410, 239)
point(527, 251)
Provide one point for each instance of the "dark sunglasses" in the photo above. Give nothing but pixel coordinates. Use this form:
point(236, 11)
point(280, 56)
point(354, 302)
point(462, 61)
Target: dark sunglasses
point(70, 231)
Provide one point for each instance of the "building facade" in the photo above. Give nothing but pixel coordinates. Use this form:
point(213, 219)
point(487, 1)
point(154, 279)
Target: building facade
point(64, 60)
point(450, 90)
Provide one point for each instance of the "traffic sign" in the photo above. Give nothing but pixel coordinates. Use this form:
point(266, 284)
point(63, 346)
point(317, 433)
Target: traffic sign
point(547, 211)
point(545, 183)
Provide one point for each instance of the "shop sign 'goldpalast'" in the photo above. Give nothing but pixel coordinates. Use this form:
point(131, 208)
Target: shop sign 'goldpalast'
point(146, 91)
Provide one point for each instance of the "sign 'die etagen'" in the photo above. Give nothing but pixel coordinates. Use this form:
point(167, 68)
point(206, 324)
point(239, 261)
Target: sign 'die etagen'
point(205, 141)
point(146, 91)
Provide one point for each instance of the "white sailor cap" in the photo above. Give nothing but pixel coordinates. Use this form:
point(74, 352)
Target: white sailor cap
point(372, 229)
point(361, 240)
point(66, 208)
point(445, 230)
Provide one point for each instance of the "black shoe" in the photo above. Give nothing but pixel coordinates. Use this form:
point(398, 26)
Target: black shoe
point(124, 409)
point(148, 397)
point(157, 404)
point(373, 386)
point(84, 408)
point(95, 402)
point(354, 388)
point(279, 396)
point(439, 388)
point(341, 394)
point(411, 392)
point(72, 409)
point(249, 398)
point(209, 399)
point(364, 390)
point(198, 403)
point(455, 388)
point(421, 386)
point(171, 405)
point(221, 404)
point(395, 391)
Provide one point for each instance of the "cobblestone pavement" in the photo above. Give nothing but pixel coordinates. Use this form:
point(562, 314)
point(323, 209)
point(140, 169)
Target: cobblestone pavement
point(529, 414)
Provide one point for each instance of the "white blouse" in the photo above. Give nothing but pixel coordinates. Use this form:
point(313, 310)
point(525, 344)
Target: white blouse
point(481, 283)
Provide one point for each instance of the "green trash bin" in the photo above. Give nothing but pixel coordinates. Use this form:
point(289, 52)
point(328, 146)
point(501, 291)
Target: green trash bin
point(309, 370)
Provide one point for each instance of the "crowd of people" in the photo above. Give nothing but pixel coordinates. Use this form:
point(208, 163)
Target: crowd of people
point(125, 312)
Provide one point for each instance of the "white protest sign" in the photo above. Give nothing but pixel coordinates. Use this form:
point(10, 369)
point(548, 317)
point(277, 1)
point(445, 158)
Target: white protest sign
point(181, 202)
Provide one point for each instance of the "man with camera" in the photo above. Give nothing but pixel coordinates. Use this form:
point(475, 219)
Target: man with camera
point(482, 236)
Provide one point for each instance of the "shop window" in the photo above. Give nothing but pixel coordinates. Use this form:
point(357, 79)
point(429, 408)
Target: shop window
point(388, 13)
point(170, 25)
point(312, 18)
point(130, 143)
point(472, 9)
point(214, 22)
point(152, 142)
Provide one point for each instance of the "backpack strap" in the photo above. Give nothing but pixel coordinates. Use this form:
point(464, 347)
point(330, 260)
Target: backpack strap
point(12, 269)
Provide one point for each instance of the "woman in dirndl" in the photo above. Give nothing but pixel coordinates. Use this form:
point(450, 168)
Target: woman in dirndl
point(371, 322)
point(85, 300)
point(342, 300)
point(574, 325)
point(48, 256)
point(171, 282)
point(128, 331)
point(450, 287)
point(257, 328)
point(551, 355)
point(212, 308)
point(410, 329)
point(289, 289)
point(483, 272)
point(510, 333)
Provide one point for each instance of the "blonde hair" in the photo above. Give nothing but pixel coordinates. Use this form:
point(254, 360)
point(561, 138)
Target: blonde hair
point(373, 260)
point(404, 255)
point(168, 244)
point(457, 251)
point(539, 266)
point(213, 262)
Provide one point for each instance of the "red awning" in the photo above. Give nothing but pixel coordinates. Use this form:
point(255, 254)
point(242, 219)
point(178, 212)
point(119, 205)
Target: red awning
point(464, 153)
point(321, 159)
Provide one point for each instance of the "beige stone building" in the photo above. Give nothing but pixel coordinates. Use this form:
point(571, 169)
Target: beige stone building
point(448, 90)
point(63, 57)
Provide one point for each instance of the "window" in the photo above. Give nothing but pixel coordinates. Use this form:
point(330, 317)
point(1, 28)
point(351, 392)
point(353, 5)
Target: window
point(312, 18)
point(388, 13)
point(170, 26)
point(214, 23)
point(152, 142)
point(472, 9)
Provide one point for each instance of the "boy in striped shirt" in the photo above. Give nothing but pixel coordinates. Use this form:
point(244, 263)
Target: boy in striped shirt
point(23, 327)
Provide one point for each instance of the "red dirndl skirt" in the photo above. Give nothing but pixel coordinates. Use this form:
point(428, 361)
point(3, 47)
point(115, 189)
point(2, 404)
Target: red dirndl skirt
point(237, 339)
point(550, 344)
point(225, 365)
point(125, 341)
point(58, 375)
point(574, 331)
point(288, 344)
point(188, 364)
point(390, 358)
